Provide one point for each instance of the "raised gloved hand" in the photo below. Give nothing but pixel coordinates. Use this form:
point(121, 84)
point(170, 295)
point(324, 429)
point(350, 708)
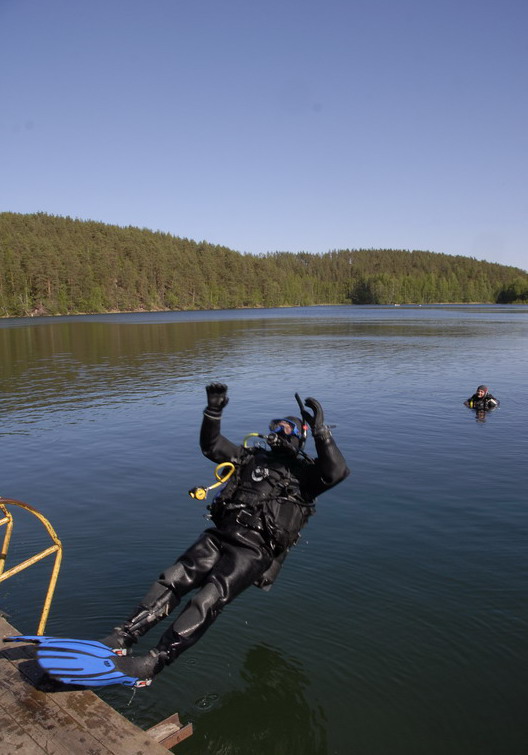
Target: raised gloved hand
point(217, 398)
point(316, 419)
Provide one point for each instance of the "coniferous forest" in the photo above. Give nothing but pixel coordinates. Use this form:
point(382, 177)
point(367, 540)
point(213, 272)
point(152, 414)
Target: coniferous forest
point(52, 265)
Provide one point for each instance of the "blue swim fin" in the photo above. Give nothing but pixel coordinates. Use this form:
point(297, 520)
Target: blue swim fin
point(84, 662)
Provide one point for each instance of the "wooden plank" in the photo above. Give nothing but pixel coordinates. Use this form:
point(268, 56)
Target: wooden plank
point(58, 718)
point(13, 738)
point(42, 719)
point(170, 731)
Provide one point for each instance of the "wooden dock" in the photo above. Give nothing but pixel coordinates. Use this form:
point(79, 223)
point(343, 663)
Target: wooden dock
point(39, 716)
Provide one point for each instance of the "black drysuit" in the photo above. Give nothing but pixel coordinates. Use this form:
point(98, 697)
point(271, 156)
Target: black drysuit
point(482, 402)
point(257, 517)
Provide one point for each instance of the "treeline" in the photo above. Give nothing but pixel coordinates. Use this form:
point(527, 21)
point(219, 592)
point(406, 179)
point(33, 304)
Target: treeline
point(58, 265)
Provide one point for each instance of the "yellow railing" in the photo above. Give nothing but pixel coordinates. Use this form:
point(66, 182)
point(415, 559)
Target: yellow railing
point(55, 548)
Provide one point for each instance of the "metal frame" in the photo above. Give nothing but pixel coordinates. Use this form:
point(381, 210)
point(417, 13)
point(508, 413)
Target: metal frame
point(55, 548)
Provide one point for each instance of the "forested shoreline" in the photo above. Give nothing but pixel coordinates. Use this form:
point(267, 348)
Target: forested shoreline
point(51, 265)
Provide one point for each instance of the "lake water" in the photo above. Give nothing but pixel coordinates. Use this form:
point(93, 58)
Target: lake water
point(398, 625)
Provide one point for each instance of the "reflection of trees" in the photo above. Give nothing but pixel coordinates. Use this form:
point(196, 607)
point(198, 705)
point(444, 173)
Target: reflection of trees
point(74, 361)
point(79, 360)
point(270, 716)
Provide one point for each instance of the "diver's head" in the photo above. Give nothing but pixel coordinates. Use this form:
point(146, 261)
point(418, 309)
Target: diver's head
point(287, 434)
point(482, 391)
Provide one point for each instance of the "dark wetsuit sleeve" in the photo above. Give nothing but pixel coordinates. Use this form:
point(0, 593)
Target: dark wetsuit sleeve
point(330, 466)
point(213, 444)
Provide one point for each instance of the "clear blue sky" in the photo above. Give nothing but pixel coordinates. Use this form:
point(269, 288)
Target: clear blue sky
point(273, 125)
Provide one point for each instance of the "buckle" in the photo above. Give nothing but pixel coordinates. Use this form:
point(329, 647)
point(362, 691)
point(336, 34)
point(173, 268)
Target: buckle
point(249, 519)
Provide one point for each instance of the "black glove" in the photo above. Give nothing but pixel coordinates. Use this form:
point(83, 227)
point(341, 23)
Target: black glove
point(217, 398)
point(316, 420)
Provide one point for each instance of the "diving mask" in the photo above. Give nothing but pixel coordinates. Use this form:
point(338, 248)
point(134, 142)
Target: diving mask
point(288, 433)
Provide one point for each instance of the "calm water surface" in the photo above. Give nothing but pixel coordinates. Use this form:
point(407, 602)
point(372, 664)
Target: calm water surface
point(398, 625)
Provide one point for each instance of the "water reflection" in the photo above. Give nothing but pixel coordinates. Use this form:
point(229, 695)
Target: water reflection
point(103, 415)
point(71, 363)
point(481, 415)
point(270, 715)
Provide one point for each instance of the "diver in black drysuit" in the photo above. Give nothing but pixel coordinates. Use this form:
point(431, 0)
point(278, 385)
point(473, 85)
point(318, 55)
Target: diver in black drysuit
point(482, 399)
point(257, 516)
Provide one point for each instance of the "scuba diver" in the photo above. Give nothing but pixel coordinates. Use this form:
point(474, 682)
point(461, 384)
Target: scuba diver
point(482, 399)
point(268, 496)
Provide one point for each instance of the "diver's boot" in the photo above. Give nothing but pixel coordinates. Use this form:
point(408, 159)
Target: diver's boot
point(145, 667)
point(141, 667)
point(119, 640)
point(146, 615)
point(122, 637)
point(170, 646)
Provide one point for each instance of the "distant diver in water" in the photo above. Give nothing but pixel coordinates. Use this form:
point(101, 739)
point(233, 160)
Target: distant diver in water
point(482, 399)
point(268, 496)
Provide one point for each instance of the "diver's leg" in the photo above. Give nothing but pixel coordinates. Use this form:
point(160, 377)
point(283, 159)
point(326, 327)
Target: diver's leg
point(194, 620)
point(165, 594)
point(245, 558)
